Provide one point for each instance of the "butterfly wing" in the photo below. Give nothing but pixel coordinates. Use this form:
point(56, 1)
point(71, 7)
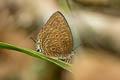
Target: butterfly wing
point(55, 38)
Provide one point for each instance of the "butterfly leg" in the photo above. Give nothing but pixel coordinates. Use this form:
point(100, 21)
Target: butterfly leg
point(67, 59)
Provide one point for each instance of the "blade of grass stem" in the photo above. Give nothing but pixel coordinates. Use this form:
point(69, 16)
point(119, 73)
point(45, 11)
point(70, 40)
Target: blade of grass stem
point(33, 53)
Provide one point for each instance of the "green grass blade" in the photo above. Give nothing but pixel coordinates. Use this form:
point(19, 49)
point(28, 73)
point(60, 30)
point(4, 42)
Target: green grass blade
point(33, 53)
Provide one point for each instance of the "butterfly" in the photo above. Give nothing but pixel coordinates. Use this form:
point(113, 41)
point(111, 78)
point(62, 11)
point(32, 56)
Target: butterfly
point(55, 38)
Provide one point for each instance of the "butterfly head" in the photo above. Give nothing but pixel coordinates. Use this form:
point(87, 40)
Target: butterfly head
point(37, 46)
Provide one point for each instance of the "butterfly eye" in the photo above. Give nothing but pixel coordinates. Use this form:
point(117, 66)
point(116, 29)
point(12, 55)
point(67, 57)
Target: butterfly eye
point(38, 50)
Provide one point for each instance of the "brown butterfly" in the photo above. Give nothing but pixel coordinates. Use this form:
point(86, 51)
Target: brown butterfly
point(55, 38)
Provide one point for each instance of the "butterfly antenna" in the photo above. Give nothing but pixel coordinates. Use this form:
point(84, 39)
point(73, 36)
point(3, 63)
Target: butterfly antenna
point(33, 39)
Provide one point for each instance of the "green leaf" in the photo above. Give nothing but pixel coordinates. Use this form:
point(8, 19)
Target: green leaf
point(33, 53)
